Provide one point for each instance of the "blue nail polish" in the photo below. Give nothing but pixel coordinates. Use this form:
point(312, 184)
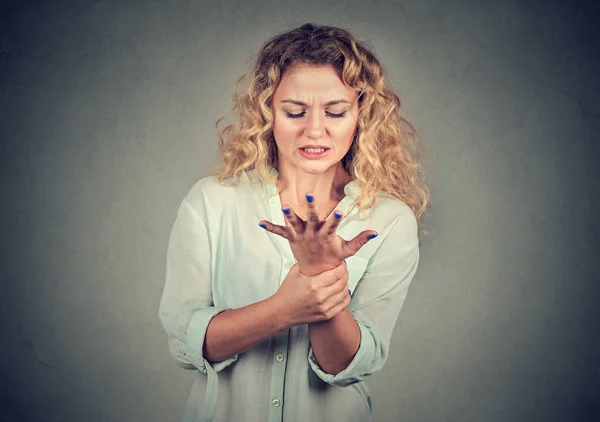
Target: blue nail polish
point(286, 210)
point(372, 236)
point(345, 261)
point(350, 292)
point(337, 215)
point(263, 226)
point(309, 198)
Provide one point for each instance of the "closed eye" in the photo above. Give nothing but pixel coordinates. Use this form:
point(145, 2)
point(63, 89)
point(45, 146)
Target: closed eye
point(297, 116)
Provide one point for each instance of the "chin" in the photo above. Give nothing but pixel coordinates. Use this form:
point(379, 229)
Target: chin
point(319, 167)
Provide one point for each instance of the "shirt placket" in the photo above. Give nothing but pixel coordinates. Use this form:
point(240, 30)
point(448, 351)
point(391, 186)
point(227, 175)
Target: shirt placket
point(280, 358)
point(281, 340)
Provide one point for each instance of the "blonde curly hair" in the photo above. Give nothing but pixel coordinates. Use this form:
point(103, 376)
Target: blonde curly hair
point(383, 156)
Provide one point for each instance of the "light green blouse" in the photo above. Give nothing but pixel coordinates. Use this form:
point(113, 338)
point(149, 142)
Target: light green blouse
point(219, 258)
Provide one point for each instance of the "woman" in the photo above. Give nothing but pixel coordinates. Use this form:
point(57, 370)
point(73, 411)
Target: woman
point(284, 322)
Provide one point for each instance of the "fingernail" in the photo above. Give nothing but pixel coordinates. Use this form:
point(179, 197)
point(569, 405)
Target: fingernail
point(350, 292)
point(309, 198)
point(262, 225)
point(337, 215)
point(345, 261)
point(286, 210)
point(372, 236)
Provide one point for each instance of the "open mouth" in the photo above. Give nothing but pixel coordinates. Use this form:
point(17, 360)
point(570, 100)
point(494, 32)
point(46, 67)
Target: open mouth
point(313, 152)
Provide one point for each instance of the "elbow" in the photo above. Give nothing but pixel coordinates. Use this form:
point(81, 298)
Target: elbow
point(335, 367)
point(345, 381)
point(210, 355)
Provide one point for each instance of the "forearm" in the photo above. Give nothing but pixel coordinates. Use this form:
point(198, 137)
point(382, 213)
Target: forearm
point(237, 330)
point(335, 341)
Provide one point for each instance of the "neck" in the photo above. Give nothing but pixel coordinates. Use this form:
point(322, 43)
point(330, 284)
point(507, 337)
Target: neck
point(325, 187)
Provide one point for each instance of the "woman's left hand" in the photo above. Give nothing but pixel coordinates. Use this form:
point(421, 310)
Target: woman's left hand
point(315, 243)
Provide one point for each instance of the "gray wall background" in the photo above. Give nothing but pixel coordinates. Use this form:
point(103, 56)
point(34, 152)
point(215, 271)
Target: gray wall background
point(107, 119)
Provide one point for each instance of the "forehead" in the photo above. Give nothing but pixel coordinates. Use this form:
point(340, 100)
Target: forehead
point(308, 82)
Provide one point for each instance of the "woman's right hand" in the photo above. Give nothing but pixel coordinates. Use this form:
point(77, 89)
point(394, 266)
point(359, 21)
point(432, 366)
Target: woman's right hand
point(305, 300)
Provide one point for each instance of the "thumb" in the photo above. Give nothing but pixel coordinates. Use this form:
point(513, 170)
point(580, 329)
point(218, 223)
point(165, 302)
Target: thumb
point(361, 239)
point(340, 270)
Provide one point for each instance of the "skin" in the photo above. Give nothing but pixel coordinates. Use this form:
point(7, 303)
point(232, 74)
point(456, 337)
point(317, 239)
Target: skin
point(315, 291)
point(312, 239)
point(333, 126)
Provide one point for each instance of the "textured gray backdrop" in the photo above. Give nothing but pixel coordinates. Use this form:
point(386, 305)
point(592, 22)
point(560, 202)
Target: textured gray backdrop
point(107, 119)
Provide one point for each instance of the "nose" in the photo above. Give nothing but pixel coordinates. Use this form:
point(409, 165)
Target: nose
point(315, 126)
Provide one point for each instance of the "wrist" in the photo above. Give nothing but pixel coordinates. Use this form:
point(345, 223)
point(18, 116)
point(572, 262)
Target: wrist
point(310, 271)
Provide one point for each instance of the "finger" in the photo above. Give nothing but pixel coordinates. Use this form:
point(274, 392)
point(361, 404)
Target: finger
point(343, 297)
point(284, 232)
point(333, 222)
point(340, 270)
point(332, 300)
point(334, 275)
point(347, 300)
point(296, 222)
point(332, 282)
point(360, 240)
point(340, 302)
point(311, 214)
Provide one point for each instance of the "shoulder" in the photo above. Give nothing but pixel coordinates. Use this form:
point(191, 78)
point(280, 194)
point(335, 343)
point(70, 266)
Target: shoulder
point(394, 209)
point(208, 191)
point(397, 217)
point(206, 187)
point(404, 215)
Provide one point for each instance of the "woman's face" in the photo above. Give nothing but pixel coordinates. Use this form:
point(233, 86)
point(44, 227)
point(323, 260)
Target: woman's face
point(312, 106)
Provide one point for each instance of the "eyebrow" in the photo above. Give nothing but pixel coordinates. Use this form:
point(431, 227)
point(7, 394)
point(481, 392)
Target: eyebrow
point(330, 103)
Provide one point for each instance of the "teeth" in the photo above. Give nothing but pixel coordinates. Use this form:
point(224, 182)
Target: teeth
point(314, 149)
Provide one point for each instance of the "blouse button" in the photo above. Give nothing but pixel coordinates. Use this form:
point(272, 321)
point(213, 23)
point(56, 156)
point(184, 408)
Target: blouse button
point(279, 357)
point(275, 402)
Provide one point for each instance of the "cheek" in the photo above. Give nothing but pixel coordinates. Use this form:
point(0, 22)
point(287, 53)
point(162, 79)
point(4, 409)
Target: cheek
point(345, 129)
point(284, 132)
point(285, 126)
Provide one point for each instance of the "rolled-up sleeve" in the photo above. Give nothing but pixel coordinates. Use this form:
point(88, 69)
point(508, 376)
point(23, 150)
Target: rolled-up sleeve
point(377, 301)
point(186, 307)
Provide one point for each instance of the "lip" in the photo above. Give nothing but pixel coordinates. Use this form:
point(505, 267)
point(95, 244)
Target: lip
point(312, 155)
point(315, 146)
